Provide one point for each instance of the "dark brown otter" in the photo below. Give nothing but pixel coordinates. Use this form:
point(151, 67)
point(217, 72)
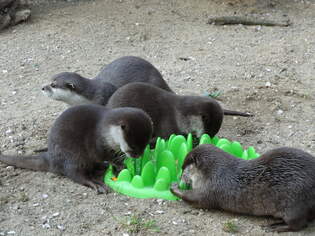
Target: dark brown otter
point(84, 137)
point(74, 89)
point(280, 183)
point(171, 113)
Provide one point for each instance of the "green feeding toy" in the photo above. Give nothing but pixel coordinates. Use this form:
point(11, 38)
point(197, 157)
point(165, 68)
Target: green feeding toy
point(151, 175)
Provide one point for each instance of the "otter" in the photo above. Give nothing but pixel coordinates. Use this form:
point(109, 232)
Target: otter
point(74, 89)
point(280, 183)
point(171, 113)
point(84, 137)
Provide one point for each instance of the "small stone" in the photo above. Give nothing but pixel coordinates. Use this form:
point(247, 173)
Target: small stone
point(128, 213)
point(174, 223)
point(61, 227)
point(10, 232)
point(160, 212)
point(56, 214)
point(45, 196)
point(14, 92)
point(46, 226)
point(268, 84)
point(9, 131)
point(4, 71)
point(125, 234)
point(35, 204)
point(280, 112)
point(10, 168)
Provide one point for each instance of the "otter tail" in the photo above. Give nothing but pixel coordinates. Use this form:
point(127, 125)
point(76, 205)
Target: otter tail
point(236, 113)
point(36, 162)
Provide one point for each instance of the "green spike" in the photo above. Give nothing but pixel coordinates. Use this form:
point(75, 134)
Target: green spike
point(167, 160)
point(146, 156)
point(251, 152)
point(164, 173)
point(148, 174)
point(124, 175)
point(159, 146)
point(137, 182)
point(226, 148)
point(182, 153)
point(161, 185)
point(189, 142)
point(175, 144)
point(245, 155)
point(205, 139)
point(237, 149)
point(214, 140)
point(130, 164)
point(223, 141)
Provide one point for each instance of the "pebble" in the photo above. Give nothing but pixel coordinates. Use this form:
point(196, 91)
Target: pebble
point(45, 196)
point(268, 84)
point(280, 112)
point(61, 227)
point(10, 232)
point(46, 226)
point(160, 212)
point(56, 214)
point(35, 204)
point(10, 168)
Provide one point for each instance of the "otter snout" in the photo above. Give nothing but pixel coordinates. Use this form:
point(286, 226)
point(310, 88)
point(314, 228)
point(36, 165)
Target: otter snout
point(46, 90)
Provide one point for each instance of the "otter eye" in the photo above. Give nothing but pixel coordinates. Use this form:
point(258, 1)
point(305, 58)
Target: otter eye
point(70, 86)
point(53, 85)
point(123, 127)
point(203, 117)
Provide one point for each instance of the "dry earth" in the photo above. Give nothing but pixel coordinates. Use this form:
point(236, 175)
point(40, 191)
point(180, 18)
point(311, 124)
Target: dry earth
point(265, 70)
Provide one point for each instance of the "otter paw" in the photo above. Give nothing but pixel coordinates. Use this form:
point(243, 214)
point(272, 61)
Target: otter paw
point(175, 190)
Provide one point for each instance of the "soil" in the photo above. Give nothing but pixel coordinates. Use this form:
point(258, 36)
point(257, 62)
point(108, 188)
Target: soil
point(268, 71)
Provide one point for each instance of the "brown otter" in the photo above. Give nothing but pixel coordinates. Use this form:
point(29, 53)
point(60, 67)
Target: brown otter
point(171, 113)
point(280, 183)
point(85, 136)
point(74, 89)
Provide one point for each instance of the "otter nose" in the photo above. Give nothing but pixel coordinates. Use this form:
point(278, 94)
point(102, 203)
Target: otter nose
point(43, 88)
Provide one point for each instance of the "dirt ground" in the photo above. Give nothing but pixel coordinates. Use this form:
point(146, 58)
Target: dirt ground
point(269, 71)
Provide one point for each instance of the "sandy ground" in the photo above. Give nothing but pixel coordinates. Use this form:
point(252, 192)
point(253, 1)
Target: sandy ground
point(265, 70)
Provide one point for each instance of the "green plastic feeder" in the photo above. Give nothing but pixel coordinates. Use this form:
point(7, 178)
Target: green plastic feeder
point(151, 175)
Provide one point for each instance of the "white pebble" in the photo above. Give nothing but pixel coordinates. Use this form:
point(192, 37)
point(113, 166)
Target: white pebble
point(9, 131)
point(35, 204)
point(10, 168)
point(159, 212)
point(46, 226)
point(56, 214)
point(4, 71)
point(280, 112)
point(10, 232)
point(125, 234)
point(268, 84)
point(61, 227)
point(45, 195)
point(175, 223)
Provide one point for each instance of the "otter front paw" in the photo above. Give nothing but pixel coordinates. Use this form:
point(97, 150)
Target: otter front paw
point(175, 190)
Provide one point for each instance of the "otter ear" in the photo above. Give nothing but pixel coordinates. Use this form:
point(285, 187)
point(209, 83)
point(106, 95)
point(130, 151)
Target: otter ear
point(70, 86)
point(190, 159)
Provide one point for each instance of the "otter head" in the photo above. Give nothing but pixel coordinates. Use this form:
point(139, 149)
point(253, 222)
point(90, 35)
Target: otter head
point(130, 130)
point(68, 87)
point(200, 115)
point(211, 115)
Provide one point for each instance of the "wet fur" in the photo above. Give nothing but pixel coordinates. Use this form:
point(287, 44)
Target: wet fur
point(280, 183)
point(81, 141)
